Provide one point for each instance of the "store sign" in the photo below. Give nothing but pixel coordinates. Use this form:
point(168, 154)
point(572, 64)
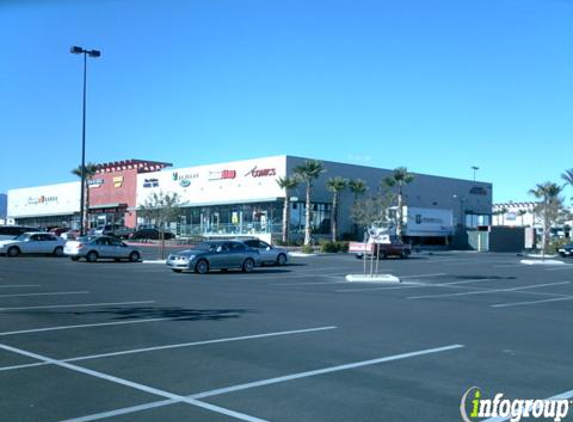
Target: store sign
point(478, 190)
point(42, 200)
point(255, 172)
point(222, 175)
point(95, 183)
point(151, 183)
point(118, 181)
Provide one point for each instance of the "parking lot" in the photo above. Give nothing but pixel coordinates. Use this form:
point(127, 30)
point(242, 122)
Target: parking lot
point(137, 342)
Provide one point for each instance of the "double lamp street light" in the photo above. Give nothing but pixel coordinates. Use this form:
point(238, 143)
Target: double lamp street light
point(94, 54)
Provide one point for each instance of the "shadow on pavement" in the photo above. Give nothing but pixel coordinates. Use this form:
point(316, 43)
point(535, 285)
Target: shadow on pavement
point(177, 313)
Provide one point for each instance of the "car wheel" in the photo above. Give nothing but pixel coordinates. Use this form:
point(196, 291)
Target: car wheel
point(13, 252)
point(91, 257)
point(281, 259)
point(359, 256)
point(176, 270)
point(202, 267)
point(405, 254)
point(59, 251)
point(134, 256)
point(248, 265)
point(75, 258)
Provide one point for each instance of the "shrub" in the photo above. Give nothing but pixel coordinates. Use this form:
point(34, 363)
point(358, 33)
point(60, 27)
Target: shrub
point(342, 246)
point(555, 244)
point(328, 246)
point(307, 249)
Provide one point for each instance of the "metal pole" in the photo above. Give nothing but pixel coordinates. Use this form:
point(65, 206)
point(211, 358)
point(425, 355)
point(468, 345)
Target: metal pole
point(83, 165)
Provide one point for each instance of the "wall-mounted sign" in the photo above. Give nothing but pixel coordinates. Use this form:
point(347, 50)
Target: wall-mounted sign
point(183, 176)
point(118, 181)
point(255, 172)
point(42, 200)
point(151, 183)
point(184, 183)
point(95, 183)
point(222, 175)
point(478, 190)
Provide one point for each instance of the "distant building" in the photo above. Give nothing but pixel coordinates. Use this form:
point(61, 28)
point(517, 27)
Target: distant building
point(514, 214)
point(3, 205)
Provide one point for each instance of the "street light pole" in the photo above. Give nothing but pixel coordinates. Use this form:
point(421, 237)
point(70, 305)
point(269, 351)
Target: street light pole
point(86, 53)
point(475, 168)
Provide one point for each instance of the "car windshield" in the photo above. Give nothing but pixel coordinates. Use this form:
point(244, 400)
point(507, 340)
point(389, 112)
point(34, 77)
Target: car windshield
point(23, 237)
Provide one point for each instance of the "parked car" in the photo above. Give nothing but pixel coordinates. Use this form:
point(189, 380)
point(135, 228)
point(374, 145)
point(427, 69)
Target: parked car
point(93, 248)
point(566, 250)
point(268, 254)
point(11, 232)
point(211, 255)
point(385, 250)
point(116, 230)
point(152, 234)
point(33, 243)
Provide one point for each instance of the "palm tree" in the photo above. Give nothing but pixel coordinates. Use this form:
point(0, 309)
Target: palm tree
point(521, 213)
point(399, 179)
point(549, 207)
point(335, 185)
point(90, 171)
point(287, 183)
point(307, 173)
point(357, 187)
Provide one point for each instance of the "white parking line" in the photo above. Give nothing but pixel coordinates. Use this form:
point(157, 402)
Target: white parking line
point(533, 302)
point(489, 291)
point(76, 305)
point(265, 382)
point(134, 385)
point(103, 324)
point(83, 292)
point(175, 346)
point(19, 285)
point(562, 396)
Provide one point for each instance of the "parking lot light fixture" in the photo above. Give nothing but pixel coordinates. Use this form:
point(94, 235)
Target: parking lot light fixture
point(91, 53)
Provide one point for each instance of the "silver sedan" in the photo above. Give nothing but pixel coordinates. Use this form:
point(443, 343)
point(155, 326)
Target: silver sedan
point(214, 255)
point(93, 248)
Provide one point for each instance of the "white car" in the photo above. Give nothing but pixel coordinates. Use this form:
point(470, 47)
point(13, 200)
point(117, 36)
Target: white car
point(33, 243)
point(93, 248)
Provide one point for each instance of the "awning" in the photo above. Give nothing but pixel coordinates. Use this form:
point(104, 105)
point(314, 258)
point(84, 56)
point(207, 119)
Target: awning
point(106, 206)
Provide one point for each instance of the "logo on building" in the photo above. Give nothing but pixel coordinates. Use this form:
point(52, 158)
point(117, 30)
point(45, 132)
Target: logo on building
point(184, 183)
point(478, 190)
point(42, 200)
point(256, 172)
point(222, 175)
point(118, 181)
point(176, 176)
point(151, 183)
point(95, 183)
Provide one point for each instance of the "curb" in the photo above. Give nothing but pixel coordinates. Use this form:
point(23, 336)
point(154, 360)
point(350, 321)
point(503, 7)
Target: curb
point(154, 261)
point(541, 262)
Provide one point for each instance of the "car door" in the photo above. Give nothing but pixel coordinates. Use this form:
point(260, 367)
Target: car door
point(104, 247)
point(118, 248)
point(268, 254)
point(218, 255)
point(33, 244)
point(237, 254)
point(50, 243)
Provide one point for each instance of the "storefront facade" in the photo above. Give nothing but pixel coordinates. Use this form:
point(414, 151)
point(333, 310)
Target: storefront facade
point(236, 198)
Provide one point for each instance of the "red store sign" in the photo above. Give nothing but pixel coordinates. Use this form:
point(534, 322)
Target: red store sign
point(222, 175)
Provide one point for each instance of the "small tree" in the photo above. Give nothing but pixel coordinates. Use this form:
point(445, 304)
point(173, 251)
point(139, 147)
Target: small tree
point(287, 183)
point(372, 212)
point(90, 171)
point(162, 208)
point(358, 188)
point(308, 173)
point(549, 209)
point(335, 185)
point(399, 179)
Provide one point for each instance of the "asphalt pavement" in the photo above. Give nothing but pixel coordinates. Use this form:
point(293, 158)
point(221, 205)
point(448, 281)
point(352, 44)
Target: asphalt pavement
point(136, 342)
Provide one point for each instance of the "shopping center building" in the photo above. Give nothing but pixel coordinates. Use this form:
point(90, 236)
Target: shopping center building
point(240, 197)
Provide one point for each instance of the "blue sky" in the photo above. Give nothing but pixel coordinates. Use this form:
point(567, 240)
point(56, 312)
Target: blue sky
point(434, 85)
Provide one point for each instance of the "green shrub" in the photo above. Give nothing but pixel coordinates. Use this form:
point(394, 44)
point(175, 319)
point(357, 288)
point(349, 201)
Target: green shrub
point(342, 246)
point(307, 249)
point(327, 246)
point(555, 244)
